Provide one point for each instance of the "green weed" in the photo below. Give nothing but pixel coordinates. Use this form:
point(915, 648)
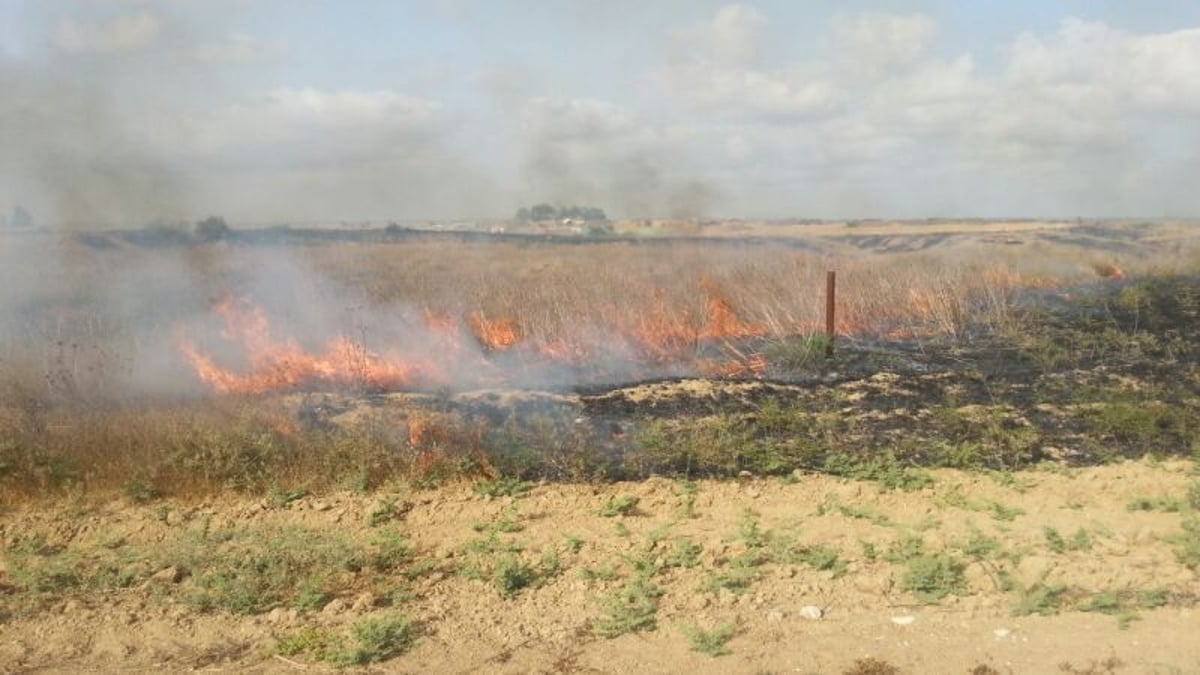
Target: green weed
point(601, 573)
point(573, 543)
point(1164, 504)
point(371, 640)
point(384, 512)
point(141, 491)
point(631, 609)
point(932, 577)
point(1041, 599)
point(885, 470)
point(712, 642)
point(503, 487)
point(1187, 543)
point(685, 552)
point(687, 499)
point(513, 574)
point(624, 505)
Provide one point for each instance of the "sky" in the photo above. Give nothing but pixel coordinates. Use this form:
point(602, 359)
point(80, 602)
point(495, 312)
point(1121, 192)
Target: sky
point(128, 112)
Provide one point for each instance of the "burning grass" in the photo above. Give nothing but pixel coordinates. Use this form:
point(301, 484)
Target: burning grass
point(111, 324)
point(887, 414)
point(990, 364)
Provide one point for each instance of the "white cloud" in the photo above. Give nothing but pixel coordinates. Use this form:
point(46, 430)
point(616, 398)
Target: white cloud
point(124, 33)
point(735, 32)
point(1091, 63)
point(731, 37)
point(874, 43)
point(743, 93)
point(875, 110)
point(236, 48)
point(316, 119)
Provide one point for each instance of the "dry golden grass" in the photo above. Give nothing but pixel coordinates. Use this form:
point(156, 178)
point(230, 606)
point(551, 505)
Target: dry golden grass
point(79, 322)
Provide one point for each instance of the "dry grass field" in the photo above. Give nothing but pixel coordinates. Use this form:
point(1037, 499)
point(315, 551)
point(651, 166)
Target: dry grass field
point(617, 454)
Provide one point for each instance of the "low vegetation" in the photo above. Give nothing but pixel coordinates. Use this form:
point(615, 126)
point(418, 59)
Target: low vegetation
point(368, 641)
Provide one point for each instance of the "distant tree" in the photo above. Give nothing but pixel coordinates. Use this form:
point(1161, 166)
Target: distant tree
point(212, 228)
point(546, 211)
point(21, 218)
point(600, 230)
point(543, 212)
point(593, 213)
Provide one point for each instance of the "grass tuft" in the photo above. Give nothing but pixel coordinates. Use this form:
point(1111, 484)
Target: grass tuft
point(712, 642)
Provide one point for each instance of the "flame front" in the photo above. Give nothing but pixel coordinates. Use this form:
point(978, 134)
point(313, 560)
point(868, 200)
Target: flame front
point(650, 338)
point(282, 365)
point(478, 350)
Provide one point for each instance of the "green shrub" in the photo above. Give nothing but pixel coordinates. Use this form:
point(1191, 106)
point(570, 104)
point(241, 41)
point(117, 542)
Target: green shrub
point(797, 354)
point(631, 609)
point(932, 577)
point(684, 553)
point(254, 572)
point(711, 642)
point(1187, 544)
point(624, 505)
point(371, 640)
point(1041, 599)
point(513, 574)
point(503, 487)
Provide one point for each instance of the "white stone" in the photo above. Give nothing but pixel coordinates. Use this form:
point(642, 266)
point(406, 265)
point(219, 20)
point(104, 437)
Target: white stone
point(811, 612)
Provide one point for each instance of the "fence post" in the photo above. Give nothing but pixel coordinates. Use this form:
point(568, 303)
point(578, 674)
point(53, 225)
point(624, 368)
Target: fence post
point(830, 304)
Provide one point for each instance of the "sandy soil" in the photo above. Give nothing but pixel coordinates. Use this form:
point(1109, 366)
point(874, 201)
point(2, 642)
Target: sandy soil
point(467, 626)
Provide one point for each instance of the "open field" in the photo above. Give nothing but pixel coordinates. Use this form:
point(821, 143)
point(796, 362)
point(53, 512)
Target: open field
point(419, 452)
point(1070, 566)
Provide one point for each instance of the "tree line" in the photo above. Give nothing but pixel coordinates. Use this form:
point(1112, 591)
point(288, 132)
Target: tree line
point(551, 212)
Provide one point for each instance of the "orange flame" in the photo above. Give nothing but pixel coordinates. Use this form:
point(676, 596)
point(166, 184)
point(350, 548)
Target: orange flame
point(281, 366)
point(659, 337)
point(495, 334)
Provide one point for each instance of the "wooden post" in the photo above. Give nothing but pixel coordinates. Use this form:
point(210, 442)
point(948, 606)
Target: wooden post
point(830, 304)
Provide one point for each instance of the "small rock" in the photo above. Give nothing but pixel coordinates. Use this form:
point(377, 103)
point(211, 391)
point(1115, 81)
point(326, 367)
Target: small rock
point(812, 612)
point(774, 616)
point(745, 475)
point(797, 474)
point(906, 620)
point(335, 606)
point(169, 575)
point(322, 506)
point(1001, 633)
